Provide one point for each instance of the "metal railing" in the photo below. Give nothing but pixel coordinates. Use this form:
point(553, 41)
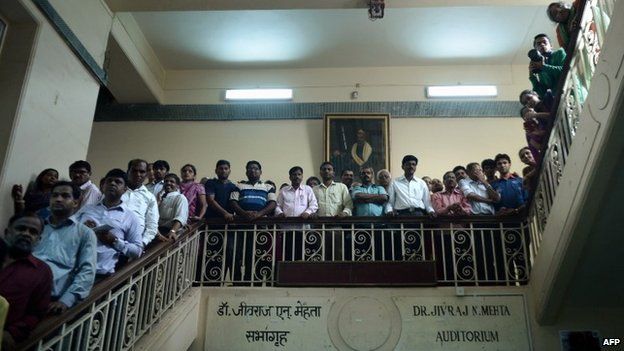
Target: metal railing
point(125, 306)
point(583, 53)
point(467, 251)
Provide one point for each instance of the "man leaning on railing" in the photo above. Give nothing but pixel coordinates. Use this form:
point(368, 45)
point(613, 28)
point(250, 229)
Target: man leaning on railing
point(69, 248)
point(546, 65)
point(25, 281)
point(408, 195)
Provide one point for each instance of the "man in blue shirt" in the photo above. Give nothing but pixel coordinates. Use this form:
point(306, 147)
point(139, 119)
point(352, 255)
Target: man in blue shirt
point(368, 198)
point(218, 191)
point(509, 186)
point(119, 231)
point(69, 248)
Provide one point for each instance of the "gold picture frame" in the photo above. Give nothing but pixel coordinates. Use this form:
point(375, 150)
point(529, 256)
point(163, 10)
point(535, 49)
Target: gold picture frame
point(355, 140)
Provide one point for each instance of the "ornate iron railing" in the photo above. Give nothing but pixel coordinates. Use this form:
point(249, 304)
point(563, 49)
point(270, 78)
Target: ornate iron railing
point(583, 56)
point(467, 251)
point(125, 306)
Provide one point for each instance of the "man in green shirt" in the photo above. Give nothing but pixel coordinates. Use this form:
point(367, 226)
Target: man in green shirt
point(544, 74)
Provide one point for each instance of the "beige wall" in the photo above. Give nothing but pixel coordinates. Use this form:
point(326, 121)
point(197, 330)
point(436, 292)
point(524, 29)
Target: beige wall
point(439, 143)
point(53, 119)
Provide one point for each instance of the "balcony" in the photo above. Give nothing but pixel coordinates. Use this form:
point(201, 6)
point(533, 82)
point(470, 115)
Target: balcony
point(461, 251)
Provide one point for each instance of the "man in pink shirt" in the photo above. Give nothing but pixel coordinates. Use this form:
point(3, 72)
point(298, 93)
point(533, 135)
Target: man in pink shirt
point(295, 200)
point(451, 201)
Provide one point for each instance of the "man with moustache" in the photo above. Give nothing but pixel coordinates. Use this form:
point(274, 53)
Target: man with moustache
point(25, 281)
point(251, 200)
point(408, 194)
point(333, 198)
point(69, 248)
point(140, 200)
point(460, 173)
point(346, 178)
point(451, 201)
point(80, 174)
point(295, 200)
point(333, 201)
point(117, 228)
point(369, 198)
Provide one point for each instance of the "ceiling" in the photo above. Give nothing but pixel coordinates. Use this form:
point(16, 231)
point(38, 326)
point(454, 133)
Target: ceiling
point(279, 37)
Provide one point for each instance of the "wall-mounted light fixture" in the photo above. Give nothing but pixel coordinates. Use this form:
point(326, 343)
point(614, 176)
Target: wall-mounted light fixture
point(258, 94)
point(461, 91)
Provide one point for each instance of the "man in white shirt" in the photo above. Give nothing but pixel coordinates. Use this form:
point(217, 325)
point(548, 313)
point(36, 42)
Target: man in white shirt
point(140, 200)
point(478, 191)
point(80, 174)
point(408, 195)
point(118, 229)
point(487, 243)
point(295, 200)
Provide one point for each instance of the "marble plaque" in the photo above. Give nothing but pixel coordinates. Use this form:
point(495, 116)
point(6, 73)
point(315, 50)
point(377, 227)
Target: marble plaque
point(463, 323)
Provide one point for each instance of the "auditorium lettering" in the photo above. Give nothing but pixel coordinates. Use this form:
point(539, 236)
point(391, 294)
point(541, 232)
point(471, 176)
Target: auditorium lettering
point(464, 322)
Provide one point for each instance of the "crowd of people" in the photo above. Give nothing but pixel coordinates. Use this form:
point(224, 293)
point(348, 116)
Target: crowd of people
point(67, 235)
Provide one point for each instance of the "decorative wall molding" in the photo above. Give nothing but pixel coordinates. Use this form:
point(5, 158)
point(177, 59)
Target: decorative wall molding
point(279, 111)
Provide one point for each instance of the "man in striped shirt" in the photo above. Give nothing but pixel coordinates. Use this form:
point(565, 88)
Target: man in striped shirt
point(253, 199)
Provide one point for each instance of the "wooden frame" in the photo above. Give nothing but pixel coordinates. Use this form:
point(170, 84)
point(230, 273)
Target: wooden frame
point(348, 148)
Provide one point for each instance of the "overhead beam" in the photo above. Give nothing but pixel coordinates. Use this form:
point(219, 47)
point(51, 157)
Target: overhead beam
point(231, 5)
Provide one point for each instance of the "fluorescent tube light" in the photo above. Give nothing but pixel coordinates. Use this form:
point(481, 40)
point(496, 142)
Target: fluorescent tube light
point(462, 91)
point(258, 94)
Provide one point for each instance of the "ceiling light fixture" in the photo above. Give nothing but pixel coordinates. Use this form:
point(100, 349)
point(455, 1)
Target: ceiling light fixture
point(258, 94)
point(461, 91)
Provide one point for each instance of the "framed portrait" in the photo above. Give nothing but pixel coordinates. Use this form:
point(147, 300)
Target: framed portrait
point(353, 141)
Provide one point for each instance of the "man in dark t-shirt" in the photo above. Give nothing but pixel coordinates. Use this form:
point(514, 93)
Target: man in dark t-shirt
point(218, 192)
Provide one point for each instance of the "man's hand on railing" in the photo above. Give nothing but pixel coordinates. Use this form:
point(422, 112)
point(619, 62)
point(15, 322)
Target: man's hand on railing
point(57, 307)
point(162, 238)
point(306, 215)
point(251, 215)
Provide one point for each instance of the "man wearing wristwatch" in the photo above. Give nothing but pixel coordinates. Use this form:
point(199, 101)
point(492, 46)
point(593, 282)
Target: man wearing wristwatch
point(487, 244)
point(478, 191)
point(119, 231)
